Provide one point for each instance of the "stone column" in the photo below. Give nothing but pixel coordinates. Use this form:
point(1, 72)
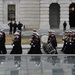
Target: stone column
point(30, 13)
point(44, 14)
point(64, 13)
point(1, 11)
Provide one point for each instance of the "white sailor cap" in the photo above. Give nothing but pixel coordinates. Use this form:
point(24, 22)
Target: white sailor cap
point(69, 31)
point(35, 33)
point(49, 30)
point(16, 33)
point(34, 30)
point(53, 31)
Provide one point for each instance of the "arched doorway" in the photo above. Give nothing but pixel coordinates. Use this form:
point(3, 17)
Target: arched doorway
point(54, 15)
point(72, 15)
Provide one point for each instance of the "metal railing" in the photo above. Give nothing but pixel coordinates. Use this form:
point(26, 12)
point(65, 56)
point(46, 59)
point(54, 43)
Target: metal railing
point(44, 64)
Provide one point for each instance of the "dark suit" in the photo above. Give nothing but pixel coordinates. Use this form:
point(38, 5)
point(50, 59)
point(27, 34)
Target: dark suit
point(64, 26)
point(14, 26)
point(11, 26)
point(20, 26)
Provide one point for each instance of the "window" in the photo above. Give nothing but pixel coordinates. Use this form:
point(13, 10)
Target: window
point(11, 12)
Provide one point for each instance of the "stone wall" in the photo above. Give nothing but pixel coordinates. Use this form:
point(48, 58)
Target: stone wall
point(35, 13)
point(30, 13)
point(44, 13)
point(1, 11)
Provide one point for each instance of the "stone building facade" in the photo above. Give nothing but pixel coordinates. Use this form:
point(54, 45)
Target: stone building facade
point(40, 14)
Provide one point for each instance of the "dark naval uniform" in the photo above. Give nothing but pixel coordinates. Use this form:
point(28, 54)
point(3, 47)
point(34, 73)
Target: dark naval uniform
point(52, 40)
point(73, 43)
point(35, 45)
point(2, 43)
point(69, 44)
point(17, 49)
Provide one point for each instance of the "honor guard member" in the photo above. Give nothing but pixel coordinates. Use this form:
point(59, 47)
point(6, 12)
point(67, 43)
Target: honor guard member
point(2, 42)
point(49, 35)
point(20, 26)
point(66, 42)
point(35, 44)
point(73, 39)
point(11, 27)
point(69, 43)
point(65, 37)
point(52, 39)
point(14, 27)
point(19, 34)
point(17, 49)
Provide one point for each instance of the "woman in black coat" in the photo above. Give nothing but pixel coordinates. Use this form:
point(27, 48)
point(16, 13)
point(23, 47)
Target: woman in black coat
point(17, 49)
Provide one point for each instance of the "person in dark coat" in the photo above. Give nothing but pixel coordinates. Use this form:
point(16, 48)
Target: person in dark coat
point(73, 42)
point(17, 49)
point(68, 43)
point(14, 27)
point(2, 42)
point(19, 35)
point(64, 25)
point(35, 44)
point(64, 40)
point(11, 27)
point(49, 36)
point(35, 48)
point(52, 39)
point(20, 26)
